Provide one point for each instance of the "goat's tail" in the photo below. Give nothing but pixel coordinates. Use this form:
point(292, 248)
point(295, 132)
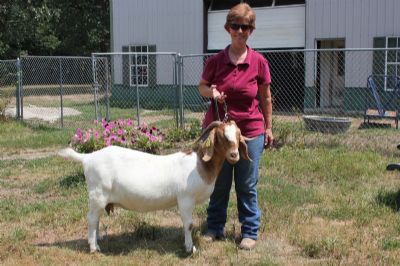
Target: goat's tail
point(69, 153)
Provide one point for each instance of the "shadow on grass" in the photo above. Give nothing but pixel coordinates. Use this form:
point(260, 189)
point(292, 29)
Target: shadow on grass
point(390, 199)
point(374, 125)
point(72, 181)
point(163, 240)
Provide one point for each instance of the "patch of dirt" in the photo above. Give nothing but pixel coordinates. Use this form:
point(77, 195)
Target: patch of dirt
point(49, 114)
point(28, 154)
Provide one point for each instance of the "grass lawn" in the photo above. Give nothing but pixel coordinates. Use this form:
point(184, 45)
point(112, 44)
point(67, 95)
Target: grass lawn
point(325, 200)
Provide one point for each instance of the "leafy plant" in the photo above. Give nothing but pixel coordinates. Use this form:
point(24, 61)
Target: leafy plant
point(190, 132)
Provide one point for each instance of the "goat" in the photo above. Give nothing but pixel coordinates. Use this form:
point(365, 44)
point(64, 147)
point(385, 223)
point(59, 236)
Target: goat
point(143, 182)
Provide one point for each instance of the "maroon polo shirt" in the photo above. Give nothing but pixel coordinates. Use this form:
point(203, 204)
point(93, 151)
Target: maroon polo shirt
point(240, 84)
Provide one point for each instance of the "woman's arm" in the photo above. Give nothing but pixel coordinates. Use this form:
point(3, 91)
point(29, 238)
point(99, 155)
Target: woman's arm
point(266, 109)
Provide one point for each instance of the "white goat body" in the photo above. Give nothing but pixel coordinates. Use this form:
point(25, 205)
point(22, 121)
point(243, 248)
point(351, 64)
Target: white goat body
point(140, 181)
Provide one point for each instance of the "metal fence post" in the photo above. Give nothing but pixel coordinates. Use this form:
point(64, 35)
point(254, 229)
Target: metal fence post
point(61, 93)
point(175, 80)
point(137, 92)
point(180, 65)
point(107, 90)
point(95, 88)
point(20, 110)
point(18, 90)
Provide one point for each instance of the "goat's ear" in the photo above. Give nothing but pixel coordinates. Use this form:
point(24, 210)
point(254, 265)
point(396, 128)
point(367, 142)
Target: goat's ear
point(243, 150)
point(208, 146)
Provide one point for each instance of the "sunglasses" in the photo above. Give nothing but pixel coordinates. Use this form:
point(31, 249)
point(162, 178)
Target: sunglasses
point(244, 27)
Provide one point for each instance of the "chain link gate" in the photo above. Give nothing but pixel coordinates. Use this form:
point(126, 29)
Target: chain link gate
point(56, 91)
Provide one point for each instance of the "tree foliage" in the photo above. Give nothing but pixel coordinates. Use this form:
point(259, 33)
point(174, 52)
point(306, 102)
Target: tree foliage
point(53, 27)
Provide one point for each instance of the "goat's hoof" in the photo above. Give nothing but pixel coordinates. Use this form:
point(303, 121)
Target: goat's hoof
point(191, 250)
point(94, 250)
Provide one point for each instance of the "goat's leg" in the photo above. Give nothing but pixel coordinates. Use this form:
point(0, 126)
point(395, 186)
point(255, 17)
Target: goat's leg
point(98, 236)
point(186, 206)
point(93, 226)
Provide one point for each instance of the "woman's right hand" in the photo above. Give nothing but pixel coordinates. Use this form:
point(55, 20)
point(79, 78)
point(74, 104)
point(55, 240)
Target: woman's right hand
point(219, 96)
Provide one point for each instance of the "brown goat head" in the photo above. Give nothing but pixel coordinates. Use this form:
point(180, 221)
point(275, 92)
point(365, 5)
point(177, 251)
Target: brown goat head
point(224, 139)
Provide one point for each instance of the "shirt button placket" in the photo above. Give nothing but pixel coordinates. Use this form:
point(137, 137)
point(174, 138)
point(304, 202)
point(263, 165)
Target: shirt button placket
point(235, 73)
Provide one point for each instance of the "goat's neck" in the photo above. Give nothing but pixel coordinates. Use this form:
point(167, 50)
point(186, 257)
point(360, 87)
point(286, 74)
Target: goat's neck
point(210, 170)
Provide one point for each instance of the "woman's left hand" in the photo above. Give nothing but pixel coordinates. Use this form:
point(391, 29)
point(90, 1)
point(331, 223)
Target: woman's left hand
point(269, 138)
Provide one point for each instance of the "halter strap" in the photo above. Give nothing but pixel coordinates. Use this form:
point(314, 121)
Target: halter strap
point(226, 117)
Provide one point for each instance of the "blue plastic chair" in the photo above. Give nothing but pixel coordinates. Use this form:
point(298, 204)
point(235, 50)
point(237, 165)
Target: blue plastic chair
point(380, 112)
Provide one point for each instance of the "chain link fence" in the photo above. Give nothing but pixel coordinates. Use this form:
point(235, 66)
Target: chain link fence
point(140, 86)
point(327, 90)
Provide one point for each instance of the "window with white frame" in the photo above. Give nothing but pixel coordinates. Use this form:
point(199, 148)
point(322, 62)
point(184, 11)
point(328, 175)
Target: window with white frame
point(387, 62)
point(393, 57)
point(139, 65)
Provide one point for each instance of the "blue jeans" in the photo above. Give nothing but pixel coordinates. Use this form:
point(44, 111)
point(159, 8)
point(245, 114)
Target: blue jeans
point(245, 174)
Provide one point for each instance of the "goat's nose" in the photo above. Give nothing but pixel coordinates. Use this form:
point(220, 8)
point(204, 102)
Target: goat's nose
point(234, 154)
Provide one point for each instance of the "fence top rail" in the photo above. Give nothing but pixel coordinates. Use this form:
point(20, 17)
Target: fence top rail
point(136, 53)
point(8, 61)
point(329, 50)
point(201, 54)
point(56, 57)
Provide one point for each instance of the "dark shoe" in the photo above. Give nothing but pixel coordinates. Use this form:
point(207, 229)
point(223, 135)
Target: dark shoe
point(247, 243)
point(211, 237)
point(393, 166)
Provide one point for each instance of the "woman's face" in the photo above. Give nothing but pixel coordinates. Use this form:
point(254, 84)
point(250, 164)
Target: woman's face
point(240, 31)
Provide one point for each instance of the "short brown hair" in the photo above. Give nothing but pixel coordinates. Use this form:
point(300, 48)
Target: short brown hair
point(241, 11)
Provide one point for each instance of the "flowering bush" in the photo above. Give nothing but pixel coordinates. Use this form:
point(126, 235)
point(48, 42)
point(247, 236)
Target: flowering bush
point(121, 133)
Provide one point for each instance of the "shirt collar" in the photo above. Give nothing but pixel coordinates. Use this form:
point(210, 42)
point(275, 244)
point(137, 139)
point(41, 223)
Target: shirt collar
point(246, 60)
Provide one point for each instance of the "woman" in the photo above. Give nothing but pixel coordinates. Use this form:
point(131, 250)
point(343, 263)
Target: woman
point(240, 77)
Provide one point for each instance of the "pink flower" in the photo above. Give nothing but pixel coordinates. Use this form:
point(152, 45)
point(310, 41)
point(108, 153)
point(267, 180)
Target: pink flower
point(87, 137)
point(78, 132)
point(108, 141)
point(130, 122)
point(143, 126)
point(106, 132)
point(121, 122)
point(120, 132)
point(76, 139)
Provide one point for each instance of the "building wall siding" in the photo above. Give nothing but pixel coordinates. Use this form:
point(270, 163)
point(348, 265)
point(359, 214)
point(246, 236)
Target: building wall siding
point(173, 25)
point(357, 21)
point(277, 27)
